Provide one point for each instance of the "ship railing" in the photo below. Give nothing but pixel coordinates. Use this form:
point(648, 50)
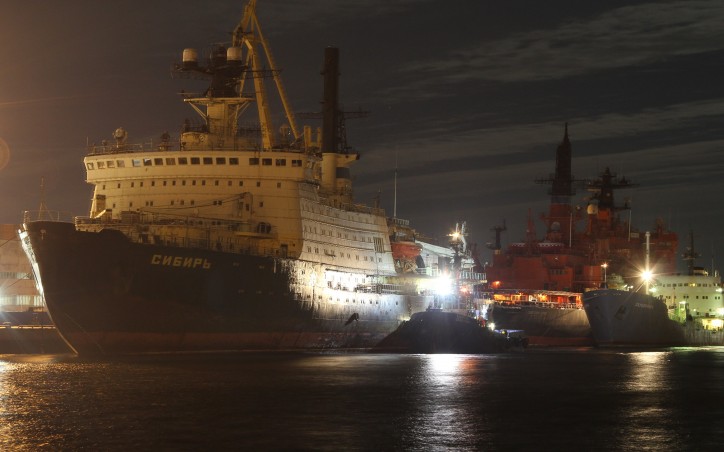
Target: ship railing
point(539, 304)
point(47, 215)
point(129, 148)
point(351, 207)
point(381, 288)
point(463, 275)
point(208, 237)
point(175, 145)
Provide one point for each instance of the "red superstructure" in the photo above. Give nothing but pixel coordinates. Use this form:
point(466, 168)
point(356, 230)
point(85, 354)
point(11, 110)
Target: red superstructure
point(607, 248)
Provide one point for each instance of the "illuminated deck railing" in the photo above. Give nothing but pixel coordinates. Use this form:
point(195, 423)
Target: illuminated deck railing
point(47, 215)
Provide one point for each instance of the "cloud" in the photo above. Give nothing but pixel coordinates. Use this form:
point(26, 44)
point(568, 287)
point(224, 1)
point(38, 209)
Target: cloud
point(431, 146)
point(287, 13)
point(623, 37)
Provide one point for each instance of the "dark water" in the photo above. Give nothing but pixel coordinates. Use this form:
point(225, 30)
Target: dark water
point(575, 399)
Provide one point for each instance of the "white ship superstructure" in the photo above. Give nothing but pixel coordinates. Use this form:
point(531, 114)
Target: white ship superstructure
point(696, 296)
point(237, 190)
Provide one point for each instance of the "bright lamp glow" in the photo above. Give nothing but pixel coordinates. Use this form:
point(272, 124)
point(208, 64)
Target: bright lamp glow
point(442, 285)
point(647, 275)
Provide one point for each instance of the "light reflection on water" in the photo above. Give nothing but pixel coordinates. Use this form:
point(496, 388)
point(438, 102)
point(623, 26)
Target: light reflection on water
point(574, 399)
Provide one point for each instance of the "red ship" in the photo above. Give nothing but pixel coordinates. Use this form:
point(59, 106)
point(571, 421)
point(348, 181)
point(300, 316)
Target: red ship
point(536, 285)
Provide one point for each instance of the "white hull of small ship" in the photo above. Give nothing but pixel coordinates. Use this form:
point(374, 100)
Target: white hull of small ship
point(631, 319)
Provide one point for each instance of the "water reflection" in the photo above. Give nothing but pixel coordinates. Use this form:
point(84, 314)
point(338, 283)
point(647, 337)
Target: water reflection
point(647, 417)
point(444, 408)
point(648, 371)
point(544, 400)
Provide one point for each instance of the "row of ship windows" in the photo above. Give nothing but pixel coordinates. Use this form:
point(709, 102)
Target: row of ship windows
point(339, 234)
point(328, 212)
point(183, 183)
point(342, 255)
point(170, 161)
point(149, 203)
point(689, 285)
point(703, 297)
point(319, 297)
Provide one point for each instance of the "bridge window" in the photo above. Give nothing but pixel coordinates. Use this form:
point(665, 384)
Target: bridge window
point(266, 162)
point(221, 160)
point(146, 162)
point(121, 163)
point(101, 165)
point(183, 161)
point(296, 163)
point(253, 161)
point(233, 160)
point(170, 161)
point(281, 162)
point(111, 164)
point(195, 161)
point(208, 161)
point(158, 161)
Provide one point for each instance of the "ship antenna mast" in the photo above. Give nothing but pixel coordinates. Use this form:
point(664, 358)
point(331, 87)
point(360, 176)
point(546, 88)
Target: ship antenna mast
point(394, 204)
point(42, 209)
point(690, 254)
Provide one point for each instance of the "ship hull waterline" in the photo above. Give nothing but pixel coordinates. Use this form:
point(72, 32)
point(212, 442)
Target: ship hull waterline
point(107, 295)
point(544, 326)
point(630, 319)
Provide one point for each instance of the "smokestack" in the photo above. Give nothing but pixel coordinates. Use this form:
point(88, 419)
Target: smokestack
point(330, 109)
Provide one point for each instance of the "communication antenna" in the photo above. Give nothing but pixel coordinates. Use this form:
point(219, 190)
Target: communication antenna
point(394, 204)
point(42, 209)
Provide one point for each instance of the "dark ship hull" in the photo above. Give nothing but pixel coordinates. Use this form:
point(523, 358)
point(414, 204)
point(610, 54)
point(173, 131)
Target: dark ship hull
point(108, 295)
point(631, 319)
point(544, 326)
point(435, 331)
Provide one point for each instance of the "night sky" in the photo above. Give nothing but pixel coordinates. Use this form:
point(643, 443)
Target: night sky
point(469, 97)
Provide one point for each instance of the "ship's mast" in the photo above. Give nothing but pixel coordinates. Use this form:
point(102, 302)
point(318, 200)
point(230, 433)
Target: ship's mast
point(560, 215)
point(690, 255)
point(248, 34)
point(248, 57)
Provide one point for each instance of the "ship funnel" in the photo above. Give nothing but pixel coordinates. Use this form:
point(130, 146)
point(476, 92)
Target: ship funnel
point(330, 109)
point(190, 58)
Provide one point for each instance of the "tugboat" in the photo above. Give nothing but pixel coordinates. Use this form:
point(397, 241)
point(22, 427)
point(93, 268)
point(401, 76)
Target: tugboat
point(536, 285)
point(453, 322)
point(233, 235)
